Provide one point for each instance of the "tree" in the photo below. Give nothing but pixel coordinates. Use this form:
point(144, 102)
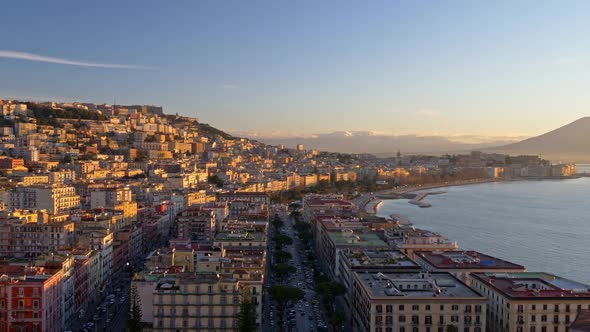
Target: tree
point(277, 223)
point(282, 256)
point(247, 315)
point(282, 270)
point(134, 322)
point(451, 328)
point(283, 295)
point(329, 290)
point(282, 240)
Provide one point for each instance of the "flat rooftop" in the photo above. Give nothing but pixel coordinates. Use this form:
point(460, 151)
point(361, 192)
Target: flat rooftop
point(346, 239)
point(241, 237)
point(411, 284)
point(466, 260)
point(534, 285)
point(378, 258)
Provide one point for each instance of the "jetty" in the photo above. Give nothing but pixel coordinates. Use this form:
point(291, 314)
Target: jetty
point(419, 199)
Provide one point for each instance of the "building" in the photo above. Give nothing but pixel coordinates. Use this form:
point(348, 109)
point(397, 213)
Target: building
point(462, 263)
point(31, 299)
point(409, 239)
point(367, 260)
point(201, 225)
point(53, 198)
point(582, 322)
point(421, 302)
point(531, 301)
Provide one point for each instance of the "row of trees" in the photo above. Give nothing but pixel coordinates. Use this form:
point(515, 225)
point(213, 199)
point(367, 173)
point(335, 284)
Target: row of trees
point(282, 294)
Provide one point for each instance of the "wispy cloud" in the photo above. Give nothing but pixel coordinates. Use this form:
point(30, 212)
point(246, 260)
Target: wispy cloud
point(427, 112)
point(229, 86)
point(42, 58)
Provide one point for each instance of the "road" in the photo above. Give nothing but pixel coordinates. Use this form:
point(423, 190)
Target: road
point(306, 314)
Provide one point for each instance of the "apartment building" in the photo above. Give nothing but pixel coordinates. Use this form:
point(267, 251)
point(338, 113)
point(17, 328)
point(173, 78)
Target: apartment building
point(416, 302)
point(531, 301)
point(53, 198)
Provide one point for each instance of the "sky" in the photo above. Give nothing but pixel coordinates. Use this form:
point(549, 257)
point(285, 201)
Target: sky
point(302, 67)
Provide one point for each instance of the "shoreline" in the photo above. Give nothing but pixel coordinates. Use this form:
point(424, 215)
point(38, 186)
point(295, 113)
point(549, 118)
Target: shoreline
point(371, 206)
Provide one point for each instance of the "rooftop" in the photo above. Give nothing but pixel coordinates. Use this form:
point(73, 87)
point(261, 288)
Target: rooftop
point(410, 284)
point(351, 239)
point(378, 258)
point(465, 260)
point(246, 236)
point(534, 284)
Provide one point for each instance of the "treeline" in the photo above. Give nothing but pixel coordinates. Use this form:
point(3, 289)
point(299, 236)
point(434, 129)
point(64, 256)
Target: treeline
point(43, 114)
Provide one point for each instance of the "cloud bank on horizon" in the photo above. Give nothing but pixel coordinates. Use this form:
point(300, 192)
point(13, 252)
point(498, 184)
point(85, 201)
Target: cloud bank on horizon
point(8, 54)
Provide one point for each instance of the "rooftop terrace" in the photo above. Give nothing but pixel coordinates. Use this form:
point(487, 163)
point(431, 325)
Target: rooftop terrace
point(534, 285)
point(466, 260)
point(440, 284)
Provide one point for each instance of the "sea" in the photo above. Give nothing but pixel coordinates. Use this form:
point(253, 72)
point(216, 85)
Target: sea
point(541, 224)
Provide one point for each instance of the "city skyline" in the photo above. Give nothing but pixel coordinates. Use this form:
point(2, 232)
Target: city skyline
point(484, 69)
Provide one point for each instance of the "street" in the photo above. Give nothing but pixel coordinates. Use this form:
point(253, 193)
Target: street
point(306, 314)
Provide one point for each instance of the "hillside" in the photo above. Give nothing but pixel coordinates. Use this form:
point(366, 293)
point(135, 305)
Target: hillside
point(568, 143)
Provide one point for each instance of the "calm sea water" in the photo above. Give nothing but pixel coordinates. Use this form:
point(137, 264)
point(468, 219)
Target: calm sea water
point(543, 225)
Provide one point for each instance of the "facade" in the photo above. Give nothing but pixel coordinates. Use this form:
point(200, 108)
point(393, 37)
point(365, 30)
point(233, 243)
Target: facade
point(196, 302)
point(421, 302)
point(53, 198)
point(531, 301)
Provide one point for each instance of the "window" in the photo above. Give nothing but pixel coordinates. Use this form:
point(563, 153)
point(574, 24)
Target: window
point(468, 308)
point(379, 309)
point(401, 307)
point(389, 308)
point(428, 307)
point(35, 304)
point(428, 320)
point(454, 307)
point(415, 320)
point(543, 318)
point(21, 304)
point(402, 319)
point(378, 320)
point(415, 307)
point(478, 308)
point(533, 318)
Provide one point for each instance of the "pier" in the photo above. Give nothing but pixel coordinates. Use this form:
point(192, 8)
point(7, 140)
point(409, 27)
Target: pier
point(418, 200)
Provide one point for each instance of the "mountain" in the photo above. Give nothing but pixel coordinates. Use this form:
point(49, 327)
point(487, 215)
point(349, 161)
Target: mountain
point(568, 143)
point(386, 145)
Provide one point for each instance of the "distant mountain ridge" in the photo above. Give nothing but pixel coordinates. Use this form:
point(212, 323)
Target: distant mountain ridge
point(386, 145)
point(567, 143)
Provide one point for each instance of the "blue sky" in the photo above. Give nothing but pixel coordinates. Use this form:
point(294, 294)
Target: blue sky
point(302, 67)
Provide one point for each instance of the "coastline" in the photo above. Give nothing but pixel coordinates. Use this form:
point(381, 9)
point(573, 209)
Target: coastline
point(371, 205)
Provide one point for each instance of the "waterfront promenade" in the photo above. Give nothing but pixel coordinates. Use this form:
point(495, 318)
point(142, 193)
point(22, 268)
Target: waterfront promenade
point(366, 203)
